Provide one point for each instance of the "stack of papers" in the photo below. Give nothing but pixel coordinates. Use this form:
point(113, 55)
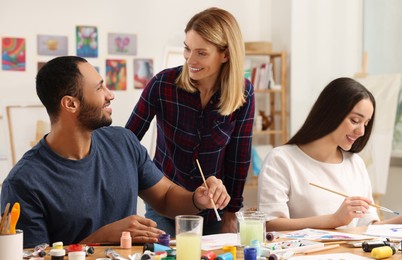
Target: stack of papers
point(217, 241)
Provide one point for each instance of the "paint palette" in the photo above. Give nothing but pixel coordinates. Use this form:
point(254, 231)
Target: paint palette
point(296, 246)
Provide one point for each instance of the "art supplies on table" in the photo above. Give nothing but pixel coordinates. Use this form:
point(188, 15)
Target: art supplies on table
point(9, 219)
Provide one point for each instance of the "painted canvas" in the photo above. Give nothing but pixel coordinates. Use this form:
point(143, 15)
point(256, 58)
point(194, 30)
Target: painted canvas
point(378, 150)
point(13, 54)
point(116, 74)
point(52, 45)
point(143, 72)
point(87, 41)
point(397, 138)
point(122, 44)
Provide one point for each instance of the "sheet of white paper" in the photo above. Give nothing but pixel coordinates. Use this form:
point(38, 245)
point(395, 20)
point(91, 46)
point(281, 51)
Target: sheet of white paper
point(340, 256)
point(386, 230)
point(217, 241)
point(324, 235)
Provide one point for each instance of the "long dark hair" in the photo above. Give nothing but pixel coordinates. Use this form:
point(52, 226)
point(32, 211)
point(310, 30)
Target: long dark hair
point(334, 103)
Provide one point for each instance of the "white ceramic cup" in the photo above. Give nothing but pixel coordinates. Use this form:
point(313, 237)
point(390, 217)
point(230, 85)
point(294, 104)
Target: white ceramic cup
point(12, 246)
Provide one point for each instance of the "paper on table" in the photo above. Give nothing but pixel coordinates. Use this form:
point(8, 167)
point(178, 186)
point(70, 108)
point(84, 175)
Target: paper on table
point(385, 230)
point(348, 256)
point(217, 241)
point(324, 235)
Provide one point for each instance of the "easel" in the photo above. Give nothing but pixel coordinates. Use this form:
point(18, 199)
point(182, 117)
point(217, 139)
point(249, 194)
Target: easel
point(363, 74)
point(40, 127)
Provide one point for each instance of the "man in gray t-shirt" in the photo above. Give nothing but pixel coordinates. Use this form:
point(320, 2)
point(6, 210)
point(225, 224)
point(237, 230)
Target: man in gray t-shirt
point(80, 183)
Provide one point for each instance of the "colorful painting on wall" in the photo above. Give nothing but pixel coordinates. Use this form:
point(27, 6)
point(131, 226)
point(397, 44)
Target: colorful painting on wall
point(122, 44)
point(13, 54)
point(116, 74)
point(87, 41)
point(143, 72)
point(52, 45)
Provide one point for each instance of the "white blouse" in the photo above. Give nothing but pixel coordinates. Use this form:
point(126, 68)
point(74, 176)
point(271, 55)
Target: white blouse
point(284, 189)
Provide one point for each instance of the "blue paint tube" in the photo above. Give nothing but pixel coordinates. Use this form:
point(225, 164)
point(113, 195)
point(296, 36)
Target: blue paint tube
point(155, 247)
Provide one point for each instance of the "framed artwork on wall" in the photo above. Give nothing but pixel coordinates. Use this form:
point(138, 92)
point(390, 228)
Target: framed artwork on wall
point(40, 64)
point(13, 54)
point(52, 45)
point(143, 72)
point(122, 44)
point(116, 74)
point(87, 41)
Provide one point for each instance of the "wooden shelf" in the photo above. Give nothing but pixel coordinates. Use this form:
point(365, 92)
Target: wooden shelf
point(268, 90)
point(275, 96)
point(267, 132)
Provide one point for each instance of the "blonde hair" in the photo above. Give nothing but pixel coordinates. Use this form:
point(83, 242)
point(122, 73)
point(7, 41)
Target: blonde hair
point(221, 29)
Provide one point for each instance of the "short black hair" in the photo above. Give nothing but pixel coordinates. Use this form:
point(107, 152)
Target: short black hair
point(57, 78)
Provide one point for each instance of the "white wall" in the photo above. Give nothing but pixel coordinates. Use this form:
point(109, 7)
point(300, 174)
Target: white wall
point(158, 24)
point(326, 43)
point(382, 41)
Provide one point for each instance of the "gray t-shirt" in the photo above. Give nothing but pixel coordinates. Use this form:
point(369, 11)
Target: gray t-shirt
point(66, 200)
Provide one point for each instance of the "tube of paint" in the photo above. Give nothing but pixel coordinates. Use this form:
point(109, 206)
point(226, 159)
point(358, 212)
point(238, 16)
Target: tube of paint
point(224, 256)
point(270, 236)
point(164, 239)
point(155, 247)
point(250, 253)
point(256, 244)
point(230, 249)
point(208, 255)
point(368, 246)
point(125, 240)
point(383, 252)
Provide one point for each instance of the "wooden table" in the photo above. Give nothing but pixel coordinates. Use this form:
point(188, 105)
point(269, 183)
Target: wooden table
point(99, 252)
point(343, 248)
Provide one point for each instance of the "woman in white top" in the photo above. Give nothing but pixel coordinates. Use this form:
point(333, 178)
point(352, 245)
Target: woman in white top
point(323, 152)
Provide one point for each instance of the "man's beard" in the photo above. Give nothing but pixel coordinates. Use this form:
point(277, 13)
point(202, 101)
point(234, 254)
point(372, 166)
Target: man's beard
point(89, 117)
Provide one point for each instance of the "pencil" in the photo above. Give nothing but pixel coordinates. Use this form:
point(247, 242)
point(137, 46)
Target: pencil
point(321, 249)
point(344, 195)
point(206, 186)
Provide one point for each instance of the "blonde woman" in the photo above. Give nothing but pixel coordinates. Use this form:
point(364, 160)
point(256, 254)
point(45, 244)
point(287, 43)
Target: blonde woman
point(204, 110)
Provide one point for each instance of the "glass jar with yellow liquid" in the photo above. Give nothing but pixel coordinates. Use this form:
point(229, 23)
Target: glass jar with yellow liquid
point(188, 237)
point(251, 226)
